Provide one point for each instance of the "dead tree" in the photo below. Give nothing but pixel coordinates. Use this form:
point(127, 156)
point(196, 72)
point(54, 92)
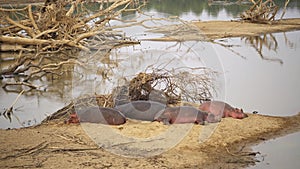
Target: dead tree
point(262, 11)
point(49, 35)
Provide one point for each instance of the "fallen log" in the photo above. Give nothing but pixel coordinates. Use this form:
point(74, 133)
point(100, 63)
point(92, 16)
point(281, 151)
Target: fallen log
point(27, 41)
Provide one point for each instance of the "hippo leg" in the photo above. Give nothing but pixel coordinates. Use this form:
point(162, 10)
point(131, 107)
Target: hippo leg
point(166, 121)
point(211, 118)
point(199, 121)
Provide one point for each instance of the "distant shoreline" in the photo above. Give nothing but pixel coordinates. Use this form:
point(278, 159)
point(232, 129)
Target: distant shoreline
point(211, 30)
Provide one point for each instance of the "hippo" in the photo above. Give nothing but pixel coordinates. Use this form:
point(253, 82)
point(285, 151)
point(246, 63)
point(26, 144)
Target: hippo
point(222, 109)
point(183, 114)
point(141, 109)
point(73, 118)
point(101, 115)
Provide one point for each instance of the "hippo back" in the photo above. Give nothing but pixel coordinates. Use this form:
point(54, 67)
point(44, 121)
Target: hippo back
point(222, 109)
point(182, 114)
point(141, 110)
point(216, 107)
point(101, 115)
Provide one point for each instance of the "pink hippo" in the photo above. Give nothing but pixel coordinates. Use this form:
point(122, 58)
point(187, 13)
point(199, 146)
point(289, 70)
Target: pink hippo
point(219, 108)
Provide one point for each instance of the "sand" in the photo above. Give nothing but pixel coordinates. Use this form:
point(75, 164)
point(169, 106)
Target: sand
point(212, 30)
point(59, 145)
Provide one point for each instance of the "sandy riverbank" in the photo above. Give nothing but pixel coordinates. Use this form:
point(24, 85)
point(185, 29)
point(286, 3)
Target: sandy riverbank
point(59, 145)
point(212, 30)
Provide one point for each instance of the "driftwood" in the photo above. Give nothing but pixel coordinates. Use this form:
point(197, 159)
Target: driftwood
point(27, 151)
point(83, 101)
point(8, 112)
point(55, 25)
point(173, 86)
point(48, 37)
point(284, 8)
point(262, 11)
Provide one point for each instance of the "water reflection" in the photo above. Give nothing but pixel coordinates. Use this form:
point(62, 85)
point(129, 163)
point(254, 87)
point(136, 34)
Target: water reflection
point(207, 10)
point(264, 41)
point(103, 71)
point(178, 7)
point(33, 104)
point(279, 153)
point(263, 85)
point(204, 9)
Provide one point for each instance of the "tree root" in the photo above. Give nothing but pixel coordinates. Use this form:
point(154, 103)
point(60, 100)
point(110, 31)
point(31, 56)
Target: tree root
point(52, 33)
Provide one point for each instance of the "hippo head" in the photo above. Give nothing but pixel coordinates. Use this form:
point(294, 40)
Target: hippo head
point(163, 116)
point(238, 114)
point(73, 119)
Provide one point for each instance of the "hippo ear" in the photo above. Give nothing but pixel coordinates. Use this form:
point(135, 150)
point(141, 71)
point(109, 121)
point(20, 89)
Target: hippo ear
point(242, 111)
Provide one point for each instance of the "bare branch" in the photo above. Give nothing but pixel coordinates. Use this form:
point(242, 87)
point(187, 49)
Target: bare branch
point(32, 19)
point(53, 30)
point(20, 84)
point(27, 29)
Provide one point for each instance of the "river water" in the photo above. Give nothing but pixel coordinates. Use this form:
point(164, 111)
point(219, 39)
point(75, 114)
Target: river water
point(269, 85)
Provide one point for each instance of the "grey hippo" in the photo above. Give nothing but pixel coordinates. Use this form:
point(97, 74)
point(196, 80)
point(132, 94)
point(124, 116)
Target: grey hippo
point(101, 115)
point(141, 109)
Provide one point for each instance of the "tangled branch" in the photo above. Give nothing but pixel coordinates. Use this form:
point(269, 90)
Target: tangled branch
point(55, 24)
point(266, 40)
point(175, 86)
point(261, 11)
point(49, 36)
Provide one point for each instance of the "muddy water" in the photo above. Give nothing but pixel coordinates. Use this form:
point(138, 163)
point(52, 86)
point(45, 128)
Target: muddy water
point(268, 84)
point(282, 152)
